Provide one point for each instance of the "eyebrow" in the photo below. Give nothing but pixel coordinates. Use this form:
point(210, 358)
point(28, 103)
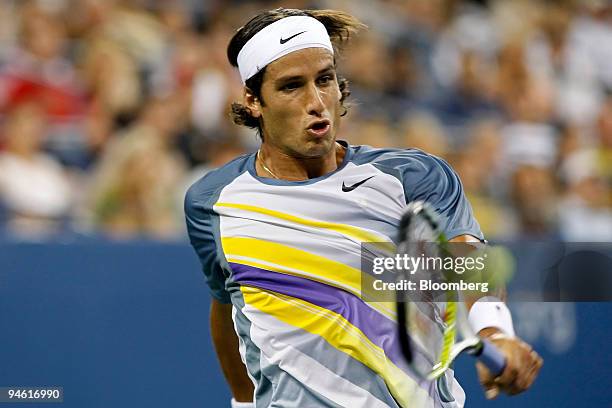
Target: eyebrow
point(286, 79)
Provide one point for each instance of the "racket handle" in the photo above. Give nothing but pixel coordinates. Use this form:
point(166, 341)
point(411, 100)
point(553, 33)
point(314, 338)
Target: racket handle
point(492, 358)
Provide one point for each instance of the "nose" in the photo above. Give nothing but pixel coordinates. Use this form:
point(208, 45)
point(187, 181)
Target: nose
point(314, 100)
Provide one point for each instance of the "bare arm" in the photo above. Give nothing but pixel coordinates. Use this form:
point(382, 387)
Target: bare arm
point(522, 362)
point(225, 341)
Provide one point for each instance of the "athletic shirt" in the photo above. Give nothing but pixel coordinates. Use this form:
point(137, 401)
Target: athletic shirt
point(287, 256)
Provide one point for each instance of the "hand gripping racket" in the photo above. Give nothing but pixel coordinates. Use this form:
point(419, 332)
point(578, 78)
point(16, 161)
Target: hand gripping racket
point(434, 327)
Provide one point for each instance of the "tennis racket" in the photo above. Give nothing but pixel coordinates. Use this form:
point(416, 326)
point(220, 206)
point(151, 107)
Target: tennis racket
point(433, 326)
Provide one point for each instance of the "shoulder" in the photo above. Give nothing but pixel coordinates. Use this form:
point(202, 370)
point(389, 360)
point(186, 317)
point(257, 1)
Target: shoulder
point(402, 163)
point(204, 191)
point(428, 178)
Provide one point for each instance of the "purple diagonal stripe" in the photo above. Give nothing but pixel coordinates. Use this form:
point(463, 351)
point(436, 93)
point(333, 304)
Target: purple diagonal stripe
point(378, 328)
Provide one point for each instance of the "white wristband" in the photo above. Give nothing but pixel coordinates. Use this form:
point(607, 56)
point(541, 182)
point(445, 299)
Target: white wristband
point(489, 311)
point(236, 404)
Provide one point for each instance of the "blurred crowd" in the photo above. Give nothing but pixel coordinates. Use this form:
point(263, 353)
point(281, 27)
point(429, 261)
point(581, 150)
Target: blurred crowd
point(110, 109)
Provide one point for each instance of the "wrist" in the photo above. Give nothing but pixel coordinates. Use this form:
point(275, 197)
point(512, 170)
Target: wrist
point(493, 333)
point(490, 315)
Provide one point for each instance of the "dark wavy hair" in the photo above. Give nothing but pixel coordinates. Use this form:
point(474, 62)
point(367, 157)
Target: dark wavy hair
point(340, 26)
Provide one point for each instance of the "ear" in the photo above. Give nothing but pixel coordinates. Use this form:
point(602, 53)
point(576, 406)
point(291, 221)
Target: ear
point(252, 103)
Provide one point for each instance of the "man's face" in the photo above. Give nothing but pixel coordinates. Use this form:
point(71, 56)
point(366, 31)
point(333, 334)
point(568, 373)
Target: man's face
point(301, 103)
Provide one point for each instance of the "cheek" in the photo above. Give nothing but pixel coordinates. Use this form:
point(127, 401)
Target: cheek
point(281, 116)
point(283, 112)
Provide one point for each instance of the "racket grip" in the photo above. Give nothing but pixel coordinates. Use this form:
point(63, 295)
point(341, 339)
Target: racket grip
point(492, 358)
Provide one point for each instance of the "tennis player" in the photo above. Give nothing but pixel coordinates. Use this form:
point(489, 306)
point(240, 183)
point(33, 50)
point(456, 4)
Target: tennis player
point(279, 236)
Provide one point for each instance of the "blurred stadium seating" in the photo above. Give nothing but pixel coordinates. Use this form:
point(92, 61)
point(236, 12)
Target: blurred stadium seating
point(109, 111)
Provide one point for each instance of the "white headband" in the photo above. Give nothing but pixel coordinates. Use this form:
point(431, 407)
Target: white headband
point(278, 39)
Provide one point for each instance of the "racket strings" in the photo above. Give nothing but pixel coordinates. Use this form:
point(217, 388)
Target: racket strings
point(430, 317)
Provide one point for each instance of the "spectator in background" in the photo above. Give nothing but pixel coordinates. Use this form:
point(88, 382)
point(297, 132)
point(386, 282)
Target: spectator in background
point(214, 154)
point(586, 207)
point(112, 78)
point(135, 190)
point(134, 29)
point(471, 95)
point(403, 84)
point(424, 131)
point(479, 166)
point(422, 76)
point(604, 140)
point(38, 68)
point(368, 76)
point(530, 138)
point(375, 131)
point(555, 55)
point(34, 189)
point(585, 211)
point(571, 139)
point(534, 196)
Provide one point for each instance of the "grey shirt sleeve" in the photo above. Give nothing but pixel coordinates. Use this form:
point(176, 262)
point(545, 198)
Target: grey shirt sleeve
point(428, 178)
point(202, 227)
point(203, 224)
point(431, 179)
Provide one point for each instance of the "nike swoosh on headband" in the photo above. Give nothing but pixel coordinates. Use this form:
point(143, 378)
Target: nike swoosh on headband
point(284, 40)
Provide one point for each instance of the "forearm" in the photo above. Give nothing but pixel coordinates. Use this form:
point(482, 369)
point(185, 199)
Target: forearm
point(491, 319)
point(225, 341)
point(491, 312)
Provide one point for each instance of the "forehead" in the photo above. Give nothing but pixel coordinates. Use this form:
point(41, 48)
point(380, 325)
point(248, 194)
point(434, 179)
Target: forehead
point(304, 62)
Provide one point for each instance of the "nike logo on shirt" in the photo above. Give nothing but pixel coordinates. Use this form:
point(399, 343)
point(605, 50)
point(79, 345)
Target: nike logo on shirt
point(284, 40)
point(346, 188)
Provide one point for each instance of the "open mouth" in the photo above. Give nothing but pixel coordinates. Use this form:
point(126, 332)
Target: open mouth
point(319, 128)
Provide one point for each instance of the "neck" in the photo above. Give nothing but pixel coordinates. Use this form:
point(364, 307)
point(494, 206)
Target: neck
point(274, 162)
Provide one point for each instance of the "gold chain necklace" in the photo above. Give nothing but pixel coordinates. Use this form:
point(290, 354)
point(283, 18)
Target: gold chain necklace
point(263, 164)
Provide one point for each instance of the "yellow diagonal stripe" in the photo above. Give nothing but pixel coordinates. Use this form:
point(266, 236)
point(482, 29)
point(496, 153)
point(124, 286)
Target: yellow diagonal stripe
point(340, 334)
point(293, 261)
point(347, 230)
point(317, 267)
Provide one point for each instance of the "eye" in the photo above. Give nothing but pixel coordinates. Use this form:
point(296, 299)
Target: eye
point(290, 86)
point(325, 79)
